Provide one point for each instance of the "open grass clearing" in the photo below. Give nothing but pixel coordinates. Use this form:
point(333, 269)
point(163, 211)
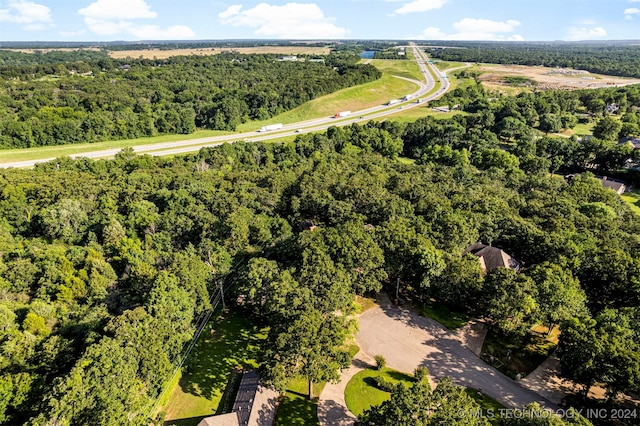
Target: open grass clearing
point(633, 200)
point(361, 392)
point(295, 408)
point(518, 355)
point(443, 314)
point(229, 344)
point(400, 67)
point(445, 65)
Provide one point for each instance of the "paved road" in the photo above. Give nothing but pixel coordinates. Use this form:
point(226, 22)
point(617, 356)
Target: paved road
point(314, 125)
point(408, 340)
point(332, 408)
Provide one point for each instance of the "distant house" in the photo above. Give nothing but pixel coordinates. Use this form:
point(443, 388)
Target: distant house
point(634, 142)
point(291, 58)
point(492, 257)
point(618, 186)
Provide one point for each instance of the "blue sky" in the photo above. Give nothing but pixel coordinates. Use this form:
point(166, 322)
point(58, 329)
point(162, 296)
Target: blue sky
point(529, 20)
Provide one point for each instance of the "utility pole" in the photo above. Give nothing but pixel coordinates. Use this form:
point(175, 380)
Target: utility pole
point(224, 308)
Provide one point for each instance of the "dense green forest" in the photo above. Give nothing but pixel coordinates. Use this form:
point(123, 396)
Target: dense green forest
point(603, 58)
point(106, 266)
point(96, 98)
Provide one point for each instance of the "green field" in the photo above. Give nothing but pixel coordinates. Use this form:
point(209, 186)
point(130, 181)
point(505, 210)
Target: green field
point(633, 200)
point(228, 345)
point(402, 68)
point(443, 65)
point(361, 392)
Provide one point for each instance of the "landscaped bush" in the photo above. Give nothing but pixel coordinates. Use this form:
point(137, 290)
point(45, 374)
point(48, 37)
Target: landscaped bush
point(381, 362)
point(384, 384)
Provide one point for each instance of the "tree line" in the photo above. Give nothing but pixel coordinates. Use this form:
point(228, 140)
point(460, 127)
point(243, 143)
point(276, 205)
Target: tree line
point(608, 58)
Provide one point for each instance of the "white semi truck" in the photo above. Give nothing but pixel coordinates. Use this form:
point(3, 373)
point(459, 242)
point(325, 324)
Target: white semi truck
point(270, 127)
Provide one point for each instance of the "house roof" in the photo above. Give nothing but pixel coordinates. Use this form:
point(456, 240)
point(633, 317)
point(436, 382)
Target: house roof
point(492, 257)
point(230, 419)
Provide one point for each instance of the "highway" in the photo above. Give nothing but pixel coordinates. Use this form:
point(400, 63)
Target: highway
point(319, 124)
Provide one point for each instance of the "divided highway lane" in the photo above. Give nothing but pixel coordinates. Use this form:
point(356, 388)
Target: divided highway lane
point(181, 147)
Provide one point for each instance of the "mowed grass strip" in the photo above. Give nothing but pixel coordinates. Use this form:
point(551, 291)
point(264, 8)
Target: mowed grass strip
point(231, 343)
point(295, 408)
point(39, 153)
point(361, 392)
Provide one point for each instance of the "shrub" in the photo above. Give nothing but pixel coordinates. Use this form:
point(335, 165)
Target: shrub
point(381, 362)
point(421, 373)
point(384, 384)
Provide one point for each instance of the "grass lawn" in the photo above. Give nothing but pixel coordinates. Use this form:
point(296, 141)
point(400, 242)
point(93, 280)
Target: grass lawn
point(403, 68)
point(526, 353)
point(295, 408)
point(229, 344)
point(412, 114)
point(361, 392)
point(490, 407)
point(363, 304)
point(443, 315)
point(444, 65)
point(633, 200)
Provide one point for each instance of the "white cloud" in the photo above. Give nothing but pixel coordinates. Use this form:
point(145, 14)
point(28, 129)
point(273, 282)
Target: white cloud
point(32, 16)
point(289, 21)
point(113, 17)
point(420, 6)
point(109, 10)
point(630, 12)
point(475, 29)
point(586, 33)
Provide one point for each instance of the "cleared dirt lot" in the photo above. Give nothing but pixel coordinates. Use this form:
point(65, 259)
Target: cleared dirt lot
point(163, 54)
point(547, 78)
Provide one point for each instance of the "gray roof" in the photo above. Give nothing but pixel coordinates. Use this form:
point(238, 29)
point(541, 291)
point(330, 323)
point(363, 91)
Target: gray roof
point(492, 257)
point(617, 186)
point(230, 419)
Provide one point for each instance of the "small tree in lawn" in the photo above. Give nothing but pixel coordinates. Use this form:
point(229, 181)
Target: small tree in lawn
point(381, 362)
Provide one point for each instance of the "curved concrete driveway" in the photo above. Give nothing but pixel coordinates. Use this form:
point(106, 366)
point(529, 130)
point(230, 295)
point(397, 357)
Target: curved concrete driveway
point(408, 340)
